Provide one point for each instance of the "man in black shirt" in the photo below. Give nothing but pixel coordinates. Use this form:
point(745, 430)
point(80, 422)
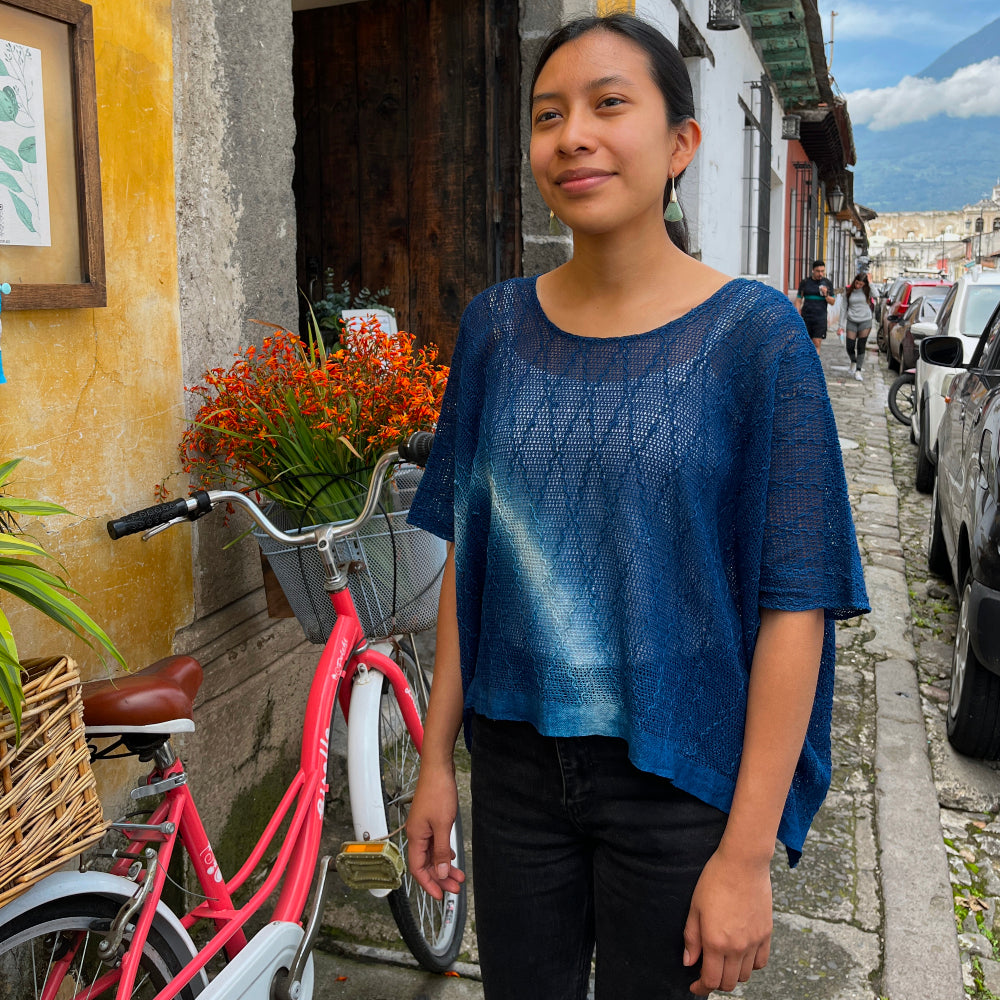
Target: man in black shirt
point(814, 295)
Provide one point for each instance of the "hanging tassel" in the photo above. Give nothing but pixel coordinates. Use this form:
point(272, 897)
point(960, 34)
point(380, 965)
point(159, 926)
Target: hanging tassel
point(554, 228)
point(674, 213)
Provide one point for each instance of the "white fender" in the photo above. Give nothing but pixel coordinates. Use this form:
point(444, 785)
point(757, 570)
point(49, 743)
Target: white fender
point(364, 779)
point(252, 972)
point(61, 885)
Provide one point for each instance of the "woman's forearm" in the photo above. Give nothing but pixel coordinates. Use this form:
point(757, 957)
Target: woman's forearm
point(782, 690)
point(444, 713)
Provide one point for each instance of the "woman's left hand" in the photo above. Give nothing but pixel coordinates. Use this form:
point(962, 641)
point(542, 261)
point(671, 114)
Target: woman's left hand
point(729, 923)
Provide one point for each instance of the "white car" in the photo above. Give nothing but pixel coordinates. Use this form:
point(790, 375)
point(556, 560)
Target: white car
point(964, 313)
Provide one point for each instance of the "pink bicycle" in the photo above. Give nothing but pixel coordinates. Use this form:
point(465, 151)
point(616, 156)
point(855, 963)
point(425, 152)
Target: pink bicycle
point(109, 934)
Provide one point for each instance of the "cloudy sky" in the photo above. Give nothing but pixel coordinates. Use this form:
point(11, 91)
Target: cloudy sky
point(876, 46)
point(878, 50)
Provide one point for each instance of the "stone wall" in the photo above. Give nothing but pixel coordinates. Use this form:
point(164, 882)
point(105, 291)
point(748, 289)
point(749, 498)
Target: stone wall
point(233, 146)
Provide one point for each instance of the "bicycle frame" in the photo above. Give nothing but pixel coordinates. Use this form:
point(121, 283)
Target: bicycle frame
point(345, 651)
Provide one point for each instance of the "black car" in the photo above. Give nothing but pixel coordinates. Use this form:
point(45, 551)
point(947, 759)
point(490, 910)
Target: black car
point(964, 540)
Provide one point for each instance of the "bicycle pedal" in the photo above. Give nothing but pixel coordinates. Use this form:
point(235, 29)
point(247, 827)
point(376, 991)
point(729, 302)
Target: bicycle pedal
point(376, 864)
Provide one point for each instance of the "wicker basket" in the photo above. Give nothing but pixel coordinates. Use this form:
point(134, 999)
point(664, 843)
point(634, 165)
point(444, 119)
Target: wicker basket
point(396, 569)
point(49, 809)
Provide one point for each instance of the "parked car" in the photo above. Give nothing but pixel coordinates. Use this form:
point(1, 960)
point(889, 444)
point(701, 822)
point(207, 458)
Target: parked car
point(918, 321)
point(881, 305)
point(964, 313)
point(965, 532)
point(899, 300)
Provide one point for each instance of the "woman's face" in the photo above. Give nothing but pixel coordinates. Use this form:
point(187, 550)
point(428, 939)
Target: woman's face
point(601, 146)
point(858, 283)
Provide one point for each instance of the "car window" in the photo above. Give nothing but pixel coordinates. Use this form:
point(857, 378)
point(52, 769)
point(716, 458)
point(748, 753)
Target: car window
point(979, 306)
point(989, 345)
point(945, 313)
point(929, 307)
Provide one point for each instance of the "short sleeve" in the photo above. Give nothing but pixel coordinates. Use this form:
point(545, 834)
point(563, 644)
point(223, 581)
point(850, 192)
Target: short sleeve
point(801, 292)
point(810, 554)
point(433, 506)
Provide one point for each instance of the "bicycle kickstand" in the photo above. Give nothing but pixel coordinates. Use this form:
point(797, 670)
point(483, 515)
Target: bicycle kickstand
point(289, 985)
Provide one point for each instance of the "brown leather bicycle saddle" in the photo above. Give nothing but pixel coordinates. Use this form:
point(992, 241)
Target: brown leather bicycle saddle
point(156, 699)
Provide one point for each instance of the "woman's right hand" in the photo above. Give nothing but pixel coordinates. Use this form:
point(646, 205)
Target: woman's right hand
point(428, 831)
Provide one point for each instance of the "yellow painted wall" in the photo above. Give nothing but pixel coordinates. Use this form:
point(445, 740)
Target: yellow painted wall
point(607, 7)
point(93, 399)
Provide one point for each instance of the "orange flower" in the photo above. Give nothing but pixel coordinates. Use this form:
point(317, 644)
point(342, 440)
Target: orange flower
point(292, 419)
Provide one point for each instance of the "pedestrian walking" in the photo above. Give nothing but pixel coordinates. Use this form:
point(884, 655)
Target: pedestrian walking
point(858, 317)
point(638, 468)
point(814, 295)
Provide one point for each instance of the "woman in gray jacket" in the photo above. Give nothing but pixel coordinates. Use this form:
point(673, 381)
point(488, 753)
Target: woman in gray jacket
point(857, 321)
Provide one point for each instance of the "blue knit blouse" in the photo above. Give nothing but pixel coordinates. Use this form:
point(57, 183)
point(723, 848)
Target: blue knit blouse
point(622, 507)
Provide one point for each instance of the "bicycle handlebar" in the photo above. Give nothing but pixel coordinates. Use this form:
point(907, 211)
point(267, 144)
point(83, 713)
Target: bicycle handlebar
point(195, 506)
point(415, 450)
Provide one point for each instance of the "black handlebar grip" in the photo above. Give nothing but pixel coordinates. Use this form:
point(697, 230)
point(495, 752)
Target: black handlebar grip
point(143, 520)
point(417, 448)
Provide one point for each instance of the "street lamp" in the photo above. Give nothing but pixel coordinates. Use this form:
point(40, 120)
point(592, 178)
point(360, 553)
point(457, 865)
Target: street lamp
point(835, 199)
point(723, 15)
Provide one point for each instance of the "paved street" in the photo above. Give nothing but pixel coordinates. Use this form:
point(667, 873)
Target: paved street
point(871, 910)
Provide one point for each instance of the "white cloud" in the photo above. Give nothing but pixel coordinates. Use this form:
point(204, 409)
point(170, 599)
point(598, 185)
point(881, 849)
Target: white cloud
point(973, 91)
point(917, 22)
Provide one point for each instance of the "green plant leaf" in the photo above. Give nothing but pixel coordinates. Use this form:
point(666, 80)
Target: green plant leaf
point(7, 180)
point(3, 69)
point(10, 158)
point(30, 584)
point(7, 468)
point(23, 212)
point(18, 545)
point(30, 508)
point(28, 150)
point(8, 104)
point(11, 694)
point(21, 568)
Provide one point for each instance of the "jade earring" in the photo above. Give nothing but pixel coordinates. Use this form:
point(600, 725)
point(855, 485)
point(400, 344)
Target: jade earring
point(554, 229)
point(674, 212)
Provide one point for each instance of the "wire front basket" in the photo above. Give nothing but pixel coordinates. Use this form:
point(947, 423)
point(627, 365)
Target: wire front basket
point(395, 574)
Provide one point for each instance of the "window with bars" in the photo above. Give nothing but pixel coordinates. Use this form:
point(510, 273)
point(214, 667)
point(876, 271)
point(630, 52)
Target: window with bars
point(802, 223)
point(756, 242)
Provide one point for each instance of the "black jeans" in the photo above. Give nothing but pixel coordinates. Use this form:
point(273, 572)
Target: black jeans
point(573, 845)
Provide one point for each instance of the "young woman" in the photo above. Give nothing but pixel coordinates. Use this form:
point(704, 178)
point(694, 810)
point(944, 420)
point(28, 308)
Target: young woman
point(637, 464)
point(858, 320)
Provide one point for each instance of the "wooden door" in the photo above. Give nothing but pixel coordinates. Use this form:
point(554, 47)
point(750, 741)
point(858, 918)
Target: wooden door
point(407, 156)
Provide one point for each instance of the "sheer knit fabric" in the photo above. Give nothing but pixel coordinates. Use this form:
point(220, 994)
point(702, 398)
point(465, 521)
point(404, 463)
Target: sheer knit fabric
point(621, 508)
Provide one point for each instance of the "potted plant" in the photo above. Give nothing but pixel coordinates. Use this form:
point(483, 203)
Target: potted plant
point(24, 580)
point(49, 807)
point(302, 426)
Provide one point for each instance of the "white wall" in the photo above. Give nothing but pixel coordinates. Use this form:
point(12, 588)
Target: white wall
point(712, 192)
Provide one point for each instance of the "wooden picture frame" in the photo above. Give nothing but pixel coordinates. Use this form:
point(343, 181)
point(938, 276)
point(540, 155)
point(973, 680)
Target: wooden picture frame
point(70, 272)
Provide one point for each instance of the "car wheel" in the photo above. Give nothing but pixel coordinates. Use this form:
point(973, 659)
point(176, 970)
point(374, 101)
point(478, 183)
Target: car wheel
point(974, 698)
point(924, 478)
point(937, 553)
point(881, 339)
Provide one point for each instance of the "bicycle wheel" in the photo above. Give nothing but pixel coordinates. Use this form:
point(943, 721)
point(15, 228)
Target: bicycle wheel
point(901, 398)
point(431, 928)
point(52, 950)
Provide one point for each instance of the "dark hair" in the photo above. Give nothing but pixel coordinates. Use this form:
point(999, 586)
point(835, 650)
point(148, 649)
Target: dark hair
point(666, 67)
point(860, 276)
point(818, 263)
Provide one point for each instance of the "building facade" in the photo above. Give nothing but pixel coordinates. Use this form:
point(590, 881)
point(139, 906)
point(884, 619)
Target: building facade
point(937, 241)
